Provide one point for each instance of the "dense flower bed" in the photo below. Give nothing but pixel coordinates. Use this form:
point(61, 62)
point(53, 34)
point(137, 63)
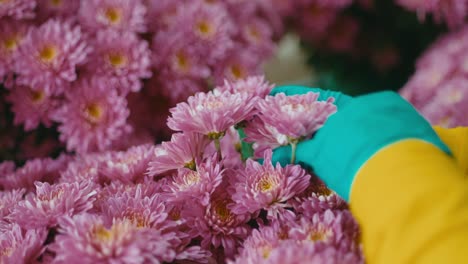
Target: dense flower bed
point(102, 74)
point(193, 198)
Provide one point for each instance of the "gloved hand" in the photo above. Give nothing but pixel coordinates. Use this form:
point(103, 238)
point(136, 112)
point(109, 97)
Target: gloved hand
point(361, 127)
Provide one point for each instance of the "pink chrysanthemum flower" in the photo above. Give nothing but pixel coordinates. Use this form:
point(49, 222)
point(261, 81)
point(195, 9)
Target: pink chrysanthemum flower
point(50, 53)
point(161, 14)
point(149, 214)
point(258, 246)
point(238, 65)
point(7, 167)
point(319, 203)
point(230, 147)
point(56, 8)
point(423, 85)
point(313, 20)
point(335, 228)
point(43, 170)
point(266, 186)
point(217, 225)
point(211, 113)
point(127, 166)
point(342, 35)
point(263, 136)
point(147, 211)
point(87, 239)
point(448, 107)
point(258, 35)
point(8, 201)
point(296, 116)
point(181, 152)
point(117, 189)
point(452, 12)
point(437, 87)
point(31, 106)
point(12, 35)
point(174, 52)
point(122, 57)
point(18, 246)
point(208, 24)
point(17, 9)
point(291, 252)
point(284, 8)
point(317, 198)
point(178, 88)
point(84, 168)
point(137, 207)
point(254, 85)
point(52, 202)
point(196, 184)
point(122, 15)
point(92, 117)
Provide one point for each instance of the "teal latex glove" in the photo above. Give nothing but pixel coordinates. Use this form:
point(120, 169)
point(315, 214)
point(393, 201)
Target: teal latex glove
point(361, 127)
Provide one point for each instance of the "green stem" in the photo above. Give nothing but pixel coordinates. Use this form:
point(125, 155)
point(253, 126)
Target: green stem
point(218, 148)
point(293, 151)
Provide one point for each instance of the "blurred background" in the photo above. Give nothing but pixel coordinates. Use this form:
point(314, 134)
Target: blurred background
point(89, 76)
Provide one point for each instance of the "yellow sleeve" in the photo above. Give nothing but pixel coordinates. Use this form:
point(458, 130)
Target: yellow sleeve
point(411, 200)
point(457, 140)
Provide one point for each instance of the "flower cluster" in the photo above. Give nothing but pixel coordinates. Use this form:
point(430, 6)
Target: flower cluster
point(193, 199)
point(452, 12)
point(90, 70)
point(438, 88)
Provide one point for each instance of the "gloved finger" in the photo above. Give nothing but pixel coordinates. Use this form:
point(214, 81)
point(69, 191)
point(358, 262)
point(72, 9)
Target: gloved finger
point(282, 155)
point(340, 98)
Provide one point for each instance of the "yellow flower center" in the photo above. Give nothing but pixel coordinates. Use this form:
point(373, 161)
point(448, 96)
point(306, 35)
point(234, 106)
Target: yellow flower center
point(254, 33)
point(56, 2)
point(237, 72)
point(191, 165)
point(174, 214)
point(267, 183)
point(103, 234)
point(48, 53)
point(204, 28)
point(94, 112)
point(117, 60)
point(113, 15)
point(4, 1)
point(221, 210)
point(319, 234)
point(182, 62)
point(37, 96)
point(11, 44)
point(266, 250)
